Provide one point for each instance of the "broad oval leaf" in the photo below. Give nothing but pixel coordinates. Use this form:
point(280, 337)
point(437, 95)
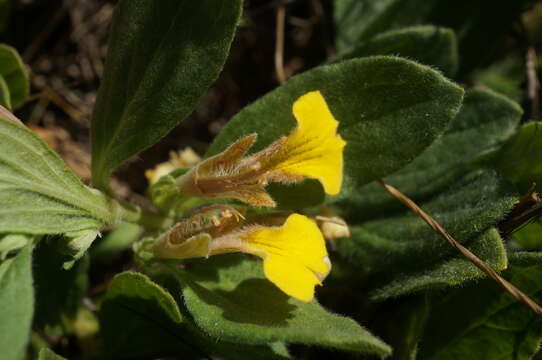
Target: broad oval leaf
point(429, 45)
point(390, 109)
point(230, 299)
point(15, 86)
point(16, 304)
point(162, 57)
point(38, 193)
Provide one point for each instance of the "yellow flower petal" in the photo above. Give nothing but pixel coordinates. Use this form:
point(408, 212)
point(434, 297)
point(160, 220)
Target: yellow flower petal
point(313, 149)
point(294, 254)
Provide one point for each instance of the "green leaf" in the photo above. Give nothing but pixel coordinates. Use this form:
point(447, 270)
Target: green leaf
point(162, 57)
point(47, 354)
point(485, 121)
point(230, 299)
point(429, 45)
point(359, 20)
point(59, 292)
point(120, 238)
point(40, 195)
point(14, 77)
point(483, 321)
point(377, 100)
point(16, 304)
point(394, 247)
point(140, 319)
point(521, 158)
point(453, 271)
point(506, 77)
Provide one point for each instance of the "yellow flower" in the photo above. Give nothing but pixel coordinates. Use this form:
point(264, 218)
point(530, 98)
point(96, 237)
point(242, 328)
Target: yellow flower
point(294, 254)
point(312, 150)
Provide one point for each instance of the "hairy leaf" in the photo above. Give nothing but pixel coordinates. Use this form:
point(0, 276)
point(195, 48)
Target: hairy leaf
point(455, 270)
point(16, 304)
point(377, 100)
point(140, 319)
point(485, 122)
point(393, 246)
point(230, 299)
point(429, 45)
point(162, 57)
point(40, 195)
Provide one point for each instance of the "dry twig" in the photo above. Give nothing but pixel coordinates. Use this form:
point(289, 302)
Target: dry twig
point(279, 44)
point(518, 294)
point(533, 85)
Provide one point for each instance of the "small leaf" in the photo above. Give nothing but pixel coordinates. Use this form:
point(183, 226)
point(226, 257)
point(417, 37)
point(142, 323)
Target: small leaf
point(457, 269)
point(40, 195)
point(483, 321)
point(485, 121)
point(521, 158)
point(47, 354)
point(429, 45)
point(14, 77)
point(376, 100)
point(140, 319)
point(230, 299)
point(16, 304)
point(162, 56)
point(393, 246)
point(120, 238)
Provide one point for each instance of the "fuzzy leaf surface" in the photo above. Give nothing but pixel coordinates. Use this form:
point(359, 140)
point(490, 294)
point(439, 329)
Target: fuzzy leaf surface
point(16, 304)
point(40, 195)
point(376, 101)
point(394, 247)
point(162, 56)
point(453, 271)
point(429, 45)
point(140, 319)
point(230, 299)
point(485, 122)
